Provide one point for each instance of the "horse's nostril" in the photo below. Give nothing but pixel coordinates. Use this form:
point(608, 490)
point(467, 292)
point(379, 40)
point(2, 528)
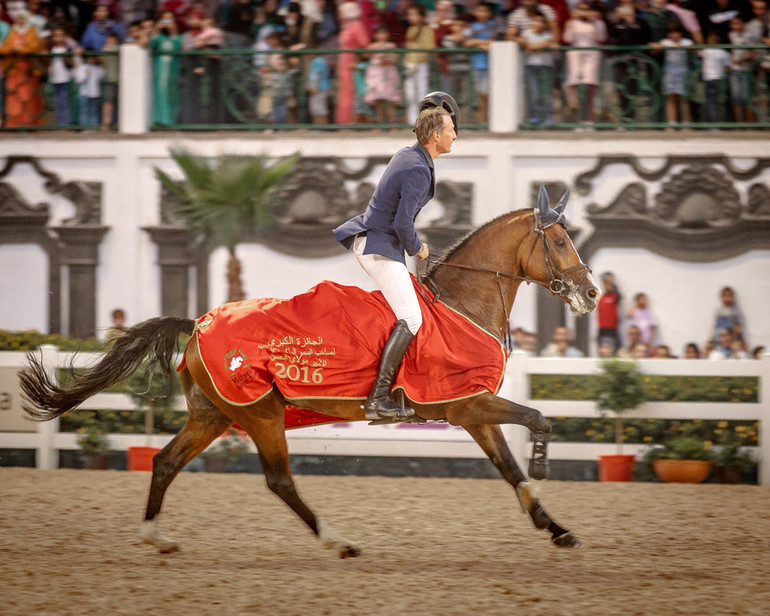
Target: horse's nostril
point(591, 293)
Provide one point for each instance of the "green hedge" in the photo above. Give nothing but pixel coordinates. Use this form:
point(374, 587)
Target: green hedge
point(659, 389)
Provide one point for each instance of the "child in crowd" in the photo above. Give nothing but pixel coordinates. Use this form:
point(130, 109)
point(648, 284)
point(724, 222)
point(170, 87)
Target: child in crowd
point(585, 28)
point(729, 315)
point(741, 73)
point(675, 70)
point(537, 41)
point(482, 32)
point(89, 75)
point(111, 65)
point(715, 65)
point(691, 350)
point(59, 75)
point(264, 62)
point(361, 111)
point(419, 35)
point(282, 79)
point(382, 81)
point(319, 89)
point(642, 316)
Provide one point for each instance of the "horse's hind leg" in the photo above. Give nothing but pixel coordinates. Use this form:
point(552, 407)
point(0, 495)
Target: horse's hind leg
point(205, 422)
point(266, 428)
point(490, 438)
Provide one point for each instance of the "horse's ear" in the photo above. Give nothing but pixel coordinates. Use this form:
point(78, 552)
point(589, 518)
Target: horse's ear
point(562, 203)
point(543, 204)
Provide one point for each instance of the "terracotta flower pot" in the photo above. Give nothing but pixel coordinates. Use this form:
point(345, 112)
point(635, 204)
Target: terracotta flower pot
point(682, 471)
point(140, 458)
point(616, 467)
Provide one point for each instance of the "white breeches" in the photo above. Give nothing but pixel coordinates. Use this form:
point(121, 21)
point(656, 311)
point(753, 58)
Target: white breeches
point(392, 278)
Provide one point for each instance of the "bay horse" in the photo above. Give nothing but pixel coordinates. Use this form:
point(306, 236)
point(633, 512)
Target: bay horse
point(478, 278)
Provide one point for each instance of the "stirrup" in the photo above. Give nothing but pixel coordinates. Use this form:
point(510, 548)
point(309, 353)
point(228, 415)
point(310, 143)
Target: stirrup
point(399, 414)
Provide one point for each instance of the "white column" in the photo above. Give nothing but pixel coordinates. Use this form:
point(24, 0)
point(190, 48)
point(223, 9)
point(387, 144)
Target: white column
point(135, 92)
point(47, 455)
point(505, 87)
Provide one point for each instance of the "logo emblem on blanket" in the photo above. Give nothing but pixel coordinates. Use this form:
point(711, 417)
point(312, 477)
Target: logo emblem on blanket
point(235, 360)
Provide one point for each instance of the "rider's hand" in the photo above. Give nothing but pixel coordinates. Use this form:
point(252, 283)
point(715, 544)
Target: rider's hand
point(424, 252)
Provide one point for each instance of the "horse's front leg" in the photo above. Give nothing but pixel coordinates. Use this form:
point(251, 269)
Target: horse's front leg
point(490, 439)
point(491, 409)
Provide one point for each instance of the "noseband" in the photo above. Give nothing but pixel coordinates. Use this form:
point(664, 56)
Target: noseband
point(558, 284)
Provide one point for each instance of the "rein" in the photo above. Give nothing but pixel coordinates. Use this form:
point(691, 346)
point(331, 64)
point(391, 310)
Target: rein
point(558, 284)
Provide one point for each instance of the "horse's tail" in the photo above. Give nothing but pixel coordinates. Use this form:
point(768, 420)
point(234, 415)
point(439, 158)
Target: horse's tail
point(156, 338)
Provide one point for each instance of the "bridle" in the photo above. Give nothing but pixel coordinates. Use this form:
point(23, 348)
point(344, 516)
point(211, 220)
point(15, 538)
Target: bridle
point(558, 285)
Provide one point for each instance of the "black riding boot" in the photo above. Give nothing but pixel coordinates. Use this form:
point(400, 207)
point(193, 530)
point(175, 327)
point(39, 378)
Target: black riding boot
point(379, 405)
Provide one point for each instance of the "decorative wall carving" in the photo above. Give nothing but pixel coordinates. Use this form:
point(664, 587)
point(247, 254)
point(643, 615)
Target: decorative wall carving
point(315, 197)
point(74, 244)
point(698, 213)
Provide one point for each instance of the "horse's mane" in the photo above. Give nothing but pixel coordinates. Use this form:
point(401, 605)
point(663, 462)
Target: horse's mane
point(457, 246)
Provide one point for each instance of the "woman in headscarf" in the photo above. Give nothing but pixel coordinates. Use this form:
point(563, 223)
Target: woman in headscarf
point(23, 88)
point(353, 35)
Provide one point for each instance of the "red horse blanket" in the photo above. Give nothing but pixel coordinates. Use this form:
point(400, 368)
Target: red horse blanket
point(326, 343)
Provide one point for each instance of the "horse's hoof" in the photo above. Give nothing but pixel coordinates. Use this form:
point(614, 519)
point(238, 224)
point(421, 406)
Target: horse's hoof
point(350, 551)
point(567, 540)
point(169, 548)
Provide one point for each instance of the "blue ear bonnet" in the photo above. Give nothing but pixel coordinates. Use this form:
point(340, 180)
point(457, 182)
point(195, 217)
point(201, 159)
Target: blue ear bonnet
point(549, 216)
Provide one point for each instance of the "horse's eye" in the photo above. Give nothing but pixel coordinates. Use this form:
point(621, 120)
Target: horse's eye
point(560, 243)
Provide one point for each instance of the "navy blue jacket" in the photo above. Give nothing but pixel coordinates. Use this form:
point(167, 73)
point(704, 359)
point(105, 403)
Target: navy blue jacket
point(405, 187)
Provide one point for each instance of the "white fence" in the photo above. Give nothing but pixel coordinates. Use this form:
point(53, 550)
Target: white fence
point(432, 440)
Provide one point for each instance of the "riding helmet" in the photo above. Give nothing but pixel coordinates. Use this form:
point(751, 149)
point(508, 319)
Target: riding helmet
point(442, 99)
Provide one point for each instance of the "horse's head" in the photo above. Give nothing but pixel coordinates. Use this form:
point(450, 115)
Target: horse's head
point(551, 259)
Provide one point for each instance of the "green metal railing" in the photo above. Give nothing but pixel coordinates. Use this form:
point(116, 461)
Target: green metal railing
point(29, 101)
point(230, 89)
point(630, 93)
point(233, 89)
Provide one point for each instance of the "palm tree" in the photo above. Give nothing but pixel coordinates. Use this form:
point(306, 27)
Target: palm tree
point(225, 200)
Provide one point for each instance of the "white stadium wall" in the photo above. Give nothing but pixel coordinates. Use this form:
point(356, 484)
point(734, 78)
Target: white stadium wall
point(501, 169)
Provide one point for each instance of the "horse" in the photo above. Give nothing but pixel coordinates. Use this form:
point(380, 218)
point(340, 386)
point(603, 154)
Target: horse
point(478, 278)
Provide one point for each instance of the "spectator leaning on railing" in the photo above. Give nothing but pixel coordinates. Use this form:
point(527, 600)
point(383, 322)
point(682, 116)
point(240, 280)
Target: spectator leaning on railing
point(416, 64)
point(537, 43)
point(716, 61)
point(23, 87)
point(482, 32)
point(584, 29)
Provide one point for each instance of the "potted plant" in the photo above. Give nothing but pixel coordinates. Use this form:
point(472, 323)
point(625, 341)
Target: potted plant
point(153, 391)
point(683, 459)
point(730, 463)
point(618, 387)
point(227, 448)
point(94, 444)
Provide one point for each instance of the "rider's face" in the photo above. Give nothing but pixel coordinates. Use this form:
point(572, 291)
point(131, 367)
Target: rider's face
point(447, 137)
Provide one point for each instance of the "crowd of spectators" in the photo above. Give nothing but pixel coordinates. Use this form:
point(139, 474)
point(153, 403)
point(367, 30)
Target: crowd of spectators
point(354, 88)
point(635, 334)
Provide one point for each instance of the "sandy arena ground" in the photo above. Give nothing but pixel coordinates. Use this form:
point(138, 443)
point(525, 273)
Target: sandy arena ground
point(69, 545)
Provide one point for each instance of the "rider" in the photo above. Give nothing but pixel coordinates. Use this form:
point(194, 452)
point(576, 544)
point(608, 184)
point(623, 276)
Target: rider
point(380, 236)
